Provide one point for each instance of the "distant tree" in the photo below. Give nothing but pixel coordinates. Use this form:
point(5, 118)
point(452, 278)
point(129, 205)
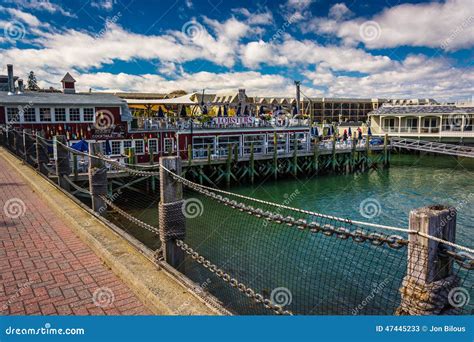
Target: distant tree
point(32, 84)
point(178, 92)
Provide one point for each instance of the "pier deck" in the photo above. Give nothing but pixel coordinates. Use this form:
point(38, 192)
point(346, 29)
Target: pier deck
point(45, 268)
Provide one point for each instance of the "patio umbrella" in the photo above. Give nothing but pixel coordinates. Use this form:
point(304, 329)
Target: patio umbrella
point(246, 111)
point(295, 110)
point(219, 112)
point(239, 109)
point(360, 134)
point(182, 113)
point(204, 110)
point(369, 132)
point(160, 112)
point(81, 146)
point(225, 111)
point(261, 110)
point(350, 132)
point(108, 149)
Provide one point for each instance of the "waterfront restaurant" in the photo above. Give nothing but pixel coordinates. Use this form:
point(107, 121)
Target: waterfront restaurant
point(436, 122)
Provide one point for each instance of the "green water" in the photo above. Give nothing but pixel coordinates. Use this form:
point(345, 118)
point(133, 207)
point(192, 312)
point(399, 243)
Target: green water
point(410, 182)
point(325, 275)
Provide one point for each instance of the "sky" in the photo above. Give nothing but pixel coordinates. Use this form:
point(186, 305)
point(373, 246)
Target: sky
point(384, 48)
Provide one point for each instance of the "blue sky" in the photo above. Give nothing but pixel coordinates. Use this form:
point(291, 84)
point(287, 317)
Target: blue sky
point(357, 48)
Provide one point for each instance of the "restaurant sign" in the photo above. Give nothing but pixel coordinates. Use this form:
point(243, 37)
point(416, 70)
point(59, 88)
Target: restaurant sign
point(238, 120)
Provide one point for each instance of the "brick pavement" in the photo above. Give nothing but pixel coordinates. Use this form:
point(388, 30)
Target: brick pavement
point(45, 269)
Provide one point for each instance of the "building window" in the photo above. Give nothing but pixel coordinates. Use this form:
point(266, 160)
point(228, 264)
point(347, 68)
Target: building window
point(45, 114)
point(168, 145)
point(139, 147)
point(258, 144)
point(59, 114)
point(116, 147)
point(12, 115)
point(89, 114)
point(29, 114)
point(153, 145)
point(200, 146)
point(223, 143)
point(281, 143)
point(74, 114)
point(127, 144)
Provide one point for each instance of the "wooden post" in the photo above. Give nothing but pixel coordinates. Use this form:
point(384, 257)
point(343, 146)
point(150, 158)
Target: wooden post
point(295, 157)
point(97, 180)
point(236, 153)
point(333, 153)
point(367, 151)
point(75, 167)
point(209, 154)
point(275, 156)
point(429, 276)
point(18, 143)
point(252, 163)
point(386, 152)
point(228, 168)
point(316, 155)
point(42, 157)
point(153, 178)
point(190, 155)
point(172, 221)
point(29, 147)
point(353, 151)
point(63, 167)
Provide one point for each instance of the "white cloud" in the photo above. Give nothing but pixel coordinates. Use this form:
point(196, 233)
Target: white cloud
point(255, 18)
point(416, 76)
point(339, 11)
point(292, 52)
point(25, 17)
point(103, 4)
point(42, 5)
point(448, 25)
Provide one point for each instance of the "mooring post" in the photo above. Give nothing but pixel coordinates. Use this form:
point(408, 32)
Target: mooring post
point(172, 222)
point(42, 157)
point(367, 150)
point(316, 155)
point(386, 158)
point(97, 179)
point(29, 146)
point(63, 166)
point(353, 151)
point(295, 157)
point(275, 156)
point(334, 152)
point(75, 167)
point(11, 139)
point(190, 155)
point(153, 178)
point(209, 154)
point(252, 163)
point(429, 278)
point(228, 164)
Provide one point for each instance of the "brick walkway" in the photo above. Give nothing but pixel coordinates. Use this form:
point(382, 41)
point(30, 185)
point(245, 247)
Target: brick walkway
point(45, 269)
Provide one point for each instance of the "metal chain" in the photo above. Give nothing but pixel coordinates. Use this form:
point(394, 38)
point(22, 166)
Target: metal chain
point(130, 217)
point(248, 291)
point(359, 235)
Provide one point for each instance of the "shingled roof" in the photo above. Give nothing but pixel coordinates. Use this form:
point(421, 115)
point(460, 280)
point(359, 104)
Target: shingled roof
point(40, 98)
point(424, 109)
point(68, 78)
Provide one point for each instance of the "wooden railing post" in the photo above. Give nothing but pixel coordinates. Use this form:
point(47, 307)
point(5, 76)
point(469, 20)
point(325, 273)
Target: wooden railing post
point(172, 221)
point(429, 278)
point(63, 166)
point(97, 180)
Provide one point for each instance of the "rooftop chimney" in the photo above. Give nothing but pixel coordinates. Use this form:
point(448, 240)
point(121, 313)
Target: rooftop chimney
point(21, 87)
point(11, 81)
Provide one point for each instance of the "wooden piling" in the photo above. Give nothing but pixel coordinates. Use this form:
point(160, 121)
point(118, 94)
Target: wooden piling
point(172, 221)
point(252, 163)
point(429, 276)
